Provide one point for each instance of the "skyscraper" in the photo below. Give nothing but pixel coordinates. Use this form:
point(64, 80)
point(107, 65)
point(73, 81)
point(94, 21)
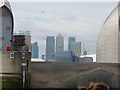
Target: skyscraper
point(50, 48)
point(70, 41)
point(77, 48)
point(35, 50)
point(59, 43)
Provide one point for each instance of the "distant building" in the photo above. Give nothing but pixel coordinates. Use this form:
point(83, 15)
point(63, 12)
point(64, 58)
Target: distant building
point(50, 48)
point(59, 43)
point(35, 50)
point(90, 55)
point(70, 41)
point(86, 59)
point(64, 56)
point(37, 60)
point(76, 48)
point(68, 56)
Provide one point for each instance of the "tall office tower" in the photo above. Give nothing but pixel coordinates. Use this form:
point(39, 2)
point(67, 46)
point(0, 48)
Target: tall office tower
point(59, 43)
point(35, 50)
point(70, 41)
point(76, 48)
point(50, 48)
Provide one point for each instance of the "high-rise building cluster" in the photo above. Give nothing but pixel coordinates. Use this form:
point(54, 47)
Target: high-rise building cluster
point(74, 46)
point(55, 50)
point(59, 54)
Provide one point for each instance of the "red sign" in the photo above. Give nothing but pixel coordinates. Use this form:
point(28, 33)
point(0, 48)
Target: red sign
point(8, 48)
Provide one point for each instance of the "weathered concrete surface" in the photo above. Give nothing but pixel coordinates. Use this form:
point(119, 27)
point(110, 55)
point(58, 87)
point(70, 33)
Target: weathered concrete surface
point(13, 65)
point(11, 69)
point(68, 75)
point(10, 65)
point(11, 81)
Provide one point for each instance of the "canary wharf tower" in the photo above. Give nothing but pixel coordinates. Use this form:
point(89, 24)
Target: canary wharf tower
point(108, 44)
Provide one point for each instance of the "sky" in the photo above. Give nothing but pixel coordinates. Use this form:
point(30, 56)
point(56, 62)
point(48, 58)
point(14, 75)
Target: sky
point(80, 19)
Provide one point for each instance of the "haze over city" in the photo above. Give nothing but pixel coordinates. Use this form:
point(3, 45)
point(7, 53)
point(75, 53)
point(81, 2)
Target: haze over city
point(80, 19)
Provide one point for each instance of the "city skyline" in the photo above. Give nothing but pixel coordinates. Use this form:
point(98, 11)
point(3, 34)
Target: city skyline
point(59, 44)
point(82, 20)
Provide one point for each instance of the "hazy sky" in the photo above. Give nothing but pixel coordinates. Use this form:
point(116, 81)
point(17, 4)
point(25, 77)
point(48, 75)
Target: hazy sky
point(80, 19)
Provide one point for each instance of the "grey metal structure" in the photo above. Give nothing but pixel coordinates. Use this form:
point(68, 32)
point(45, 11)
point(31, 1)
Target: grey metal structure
point(109, 39)
point(6, 24)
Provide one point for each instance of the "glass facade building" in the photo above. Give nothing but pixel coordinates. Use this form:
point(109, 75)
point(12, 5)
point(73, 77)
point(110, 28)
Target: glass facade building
point(76, 48)
point(70, 41)
point(64, 56)
point(50, 48)
point(59, 43)
point(35, 50)
point(108, 40)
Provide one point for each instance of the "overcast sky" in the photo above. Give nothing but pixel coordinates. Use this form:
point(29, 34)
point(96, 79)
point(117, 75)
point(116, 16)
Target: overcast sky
point(80, 19)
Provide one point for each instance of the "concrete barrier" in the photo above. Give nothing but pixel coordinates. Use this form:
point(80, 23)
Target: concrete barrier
point(72, 75)
point(11, 70)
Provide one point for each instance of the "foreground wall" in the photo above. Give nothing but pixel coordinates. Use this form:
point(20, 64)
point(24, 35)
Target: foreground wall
point(11, 65)
point(11, 70)
point(72, 75)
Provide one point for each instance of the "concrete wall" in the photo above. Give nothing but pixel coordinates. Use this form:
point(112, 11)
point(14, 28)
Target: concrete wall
point(69, 75)
point(12, 65)
point(11, 70)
